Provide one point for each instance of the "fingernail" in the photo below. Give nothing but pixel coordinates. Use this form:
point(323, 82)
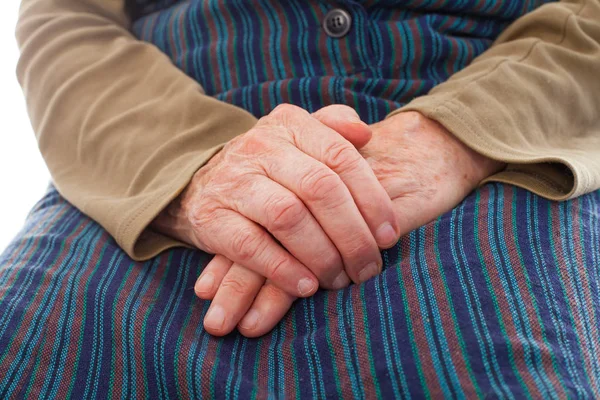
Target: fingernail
point(368, 272)
point(215, 318)
point(205, 284)
point(385, 235)
point(306, 286)
point(250, 320)
point(341, 281)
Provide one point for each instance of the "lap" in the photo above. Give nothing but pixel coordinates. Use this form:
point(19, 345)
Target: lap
point(499, 297)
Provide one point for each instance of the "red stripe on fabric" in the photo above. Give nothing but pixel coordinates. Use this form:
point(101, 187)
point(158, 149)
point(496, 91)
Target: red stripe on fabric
point(266, 100)
point(208, 364)
point(322, 40)
point(283, 90)
point(229, 47)
point(415, 31)
point(521, 277)
point(557, 235)
point(362, 348)
point(289, 367)
point(339, 358)
point(36, 303)
point(588, 299)
point(188, 338)
point(264, 24)
point(73, 335)
point(214, 43)
point(33, 248)
point(147, 300)
point(262, 380)
point(283, 51)
point(445, 309)
point(327, 99)
point(513, 343)
point(185, 58)
point(418, 324)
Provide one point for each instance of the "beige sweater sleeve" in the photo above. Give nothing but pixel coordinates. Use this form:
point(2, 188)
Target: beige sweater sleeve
point(121, 129)
point(532, 100)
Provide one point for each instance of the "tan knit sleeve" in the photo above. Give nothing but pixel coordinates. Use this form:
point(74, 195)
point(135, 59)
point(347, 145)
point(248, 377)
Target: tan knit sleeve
point(121, 129)
point(532, 100)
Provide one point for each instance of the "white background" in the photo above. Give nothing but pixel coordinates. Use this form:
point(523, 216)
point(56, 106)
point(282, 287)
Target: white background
point(23, 175)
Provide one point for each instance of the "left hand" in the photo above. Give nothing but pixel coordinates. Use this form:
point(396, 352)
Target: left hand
point(425, 170)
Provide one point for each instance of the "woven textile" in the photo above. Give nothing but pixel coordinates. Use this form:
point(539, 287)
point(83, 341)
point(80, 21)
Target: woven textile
point(258, 54)
point(499, 298)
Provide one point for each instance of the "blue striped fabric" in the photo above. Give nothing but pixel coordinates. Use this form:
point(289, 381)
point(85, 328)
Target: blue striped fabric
point(258, 54)
point(498, 298)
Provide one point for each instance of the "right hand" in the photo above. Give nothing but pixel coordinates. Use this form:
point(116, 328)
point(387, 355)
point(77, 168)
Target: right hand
point(293, 179)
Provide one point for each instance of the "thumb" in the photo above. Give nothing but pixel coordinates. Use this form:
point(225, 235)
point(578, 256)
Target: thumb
point(345, 121)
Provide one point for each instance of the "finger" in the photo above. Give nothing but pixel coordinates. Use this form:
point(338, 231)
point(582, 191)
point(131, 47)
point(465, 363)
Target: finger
point(330, 202)
point(246, 243)
point(371, 198)
point(233, 298)
point(212, 275)
point(269, 307)
point(286, 217)
point(329, 147)
point(346, 122)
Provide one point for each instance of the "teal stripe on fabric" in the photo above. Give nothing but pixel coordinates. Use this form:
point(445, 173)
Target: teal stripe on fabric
point(16, 297)
point(66, 318)
point(535, 306)
point(408, 323)
point(495, 206)
point(538, 270)
point(86, 243)
point(353, 373)
point(427, 292)
point(575, 375)
point(455, 324)
point(578, 317)
point(514, 298)
point(397, 354)
point(91, 386)
point(396, 371)
point(33, 332)
point(460, 262)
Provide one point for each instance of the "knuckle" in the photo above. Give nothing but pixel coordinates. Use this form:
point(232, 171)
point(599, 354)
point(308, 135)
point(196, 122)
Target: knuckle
point(342, 157)
point(359, 248)
point(246, 244)
point(201, 214)
point(236, 285)
point(285, 213)
point(320, 184)
point(254, 143)
point(285, 114)
point(331, 261)
point(276, 269)
point(286, 109)
point(275, 295)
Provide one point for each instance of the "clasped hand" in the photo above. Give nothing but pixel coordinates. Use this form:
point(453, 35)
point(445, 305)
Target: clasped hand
point(293, 204)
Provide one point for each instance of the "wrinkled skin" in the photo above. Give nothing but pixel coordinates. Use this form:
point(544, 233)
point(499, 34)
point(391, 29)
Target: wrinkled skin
point(425, 170)
point(291, 200)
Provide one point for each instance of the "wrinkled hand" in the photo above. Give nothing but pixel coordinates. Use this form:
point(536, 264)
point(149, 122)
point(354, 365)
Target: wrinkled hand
point(291, 200)
point(426, 172)
point(423, 167)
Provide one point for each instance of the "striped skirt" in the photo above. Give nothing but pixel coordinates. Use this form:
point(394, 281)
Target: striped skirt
point(499, 298)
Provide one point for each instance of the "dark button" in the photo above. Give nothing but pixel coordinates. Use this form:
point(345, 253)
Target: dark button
point(337, 23)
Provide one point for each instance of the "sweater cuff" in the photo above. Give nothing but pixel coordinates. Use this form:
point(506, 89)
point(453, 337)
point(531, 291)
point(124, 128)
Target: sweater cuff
point(134, 234)
point(553, 173)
